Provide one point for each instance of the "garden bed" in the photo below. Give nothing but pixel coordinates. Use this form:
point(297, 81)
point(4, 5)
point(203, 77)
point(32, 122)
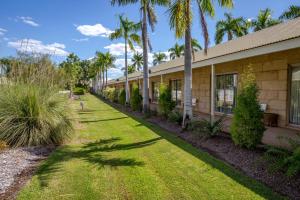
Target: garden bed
point(249, 162)
point(17, 166)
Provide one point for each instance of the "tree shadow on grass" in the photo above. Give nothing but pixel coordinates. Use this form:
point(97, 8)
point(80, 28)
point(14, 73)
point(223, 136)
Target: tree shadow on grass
point(101, 120)
point(252, 184)
point(91, 153)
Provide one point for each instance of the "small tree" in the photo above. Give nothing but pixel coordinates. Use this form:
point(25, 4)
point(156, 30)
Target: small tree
point(136, 98)
point(165, 101)
point(247, 127)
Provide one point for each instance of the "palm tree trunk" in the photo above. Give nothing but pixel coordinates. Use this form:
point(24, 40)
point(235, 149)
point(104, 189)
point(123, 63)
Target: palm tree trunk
point(187, 109)
point(229, 35)
point(145, 63)
point(105, 77)
point(126, 74)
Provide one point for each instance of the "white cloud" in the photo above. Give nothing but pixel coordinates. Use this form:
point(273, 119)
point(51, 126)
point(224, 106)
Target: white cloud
point(2, 31)
point(118, 49)
point(36, 46)
point(29, 21)
point(114, 73)
point(94, 30)
point(81, 40)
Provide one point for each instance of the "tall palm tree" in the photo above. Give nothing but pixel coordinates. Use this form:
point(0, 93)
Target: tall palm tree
point(176, 51)
point(100, 60)
point(137, 61)
point(292, 13)
point(148, 16)
point(181, 20)
point(109, 60)
point(159, 58)
point(264, 20)
point(128, 31)
point(233, 27)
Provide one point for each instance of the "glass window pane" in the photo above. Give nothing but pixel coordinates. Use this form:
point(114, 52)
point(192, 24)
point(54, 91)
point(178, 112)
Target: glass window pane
point(295, 97)
point(225, 93)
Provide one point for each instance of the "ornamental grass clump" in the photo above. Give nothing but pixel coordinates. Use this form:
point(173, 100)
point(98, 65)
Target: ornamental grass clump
point(247, 127)
point(32, 115)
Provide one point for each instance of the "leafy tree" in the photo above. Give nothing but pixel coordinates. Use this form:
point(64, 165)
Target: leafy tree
point(292, 13)
point(264, 20)
point(181, 17)
point(176, 51)
point(247, 127)
point(233, 27)
point(159, 58)
point(148, 16)
point(128, 31)
point(71, 68)
point(137, 61)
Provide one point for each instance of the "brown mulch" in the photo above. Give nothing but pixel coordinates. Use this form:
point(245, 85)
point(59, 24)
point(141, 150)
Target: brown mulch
point(249, 162)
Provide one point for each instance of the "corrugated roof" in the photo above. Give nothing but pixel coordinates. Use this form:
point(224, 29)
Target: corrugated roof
point(278, 33)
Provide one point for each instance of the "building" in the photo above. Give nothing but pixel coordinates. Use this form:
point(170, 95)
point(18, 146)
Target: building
point(273, 53)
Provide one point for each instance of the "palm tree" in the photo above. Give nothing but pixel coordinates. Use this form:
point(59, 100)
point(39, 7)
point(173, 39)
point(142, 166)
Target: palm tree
point(131, 69)
point(148, 15)
point(100, 60)
point(195, 45)
point(137, 61)
point(176, 51)
point(128, 31)
point(292, 13)
point(264, 20)
point(109, 60)
point(159, 58)
point(233, 27)
point(181, 20)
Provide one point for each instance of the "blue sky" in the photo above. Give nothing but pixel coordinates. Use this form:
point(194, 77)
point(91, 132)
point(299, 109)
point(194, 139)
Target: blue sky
point(81, 26)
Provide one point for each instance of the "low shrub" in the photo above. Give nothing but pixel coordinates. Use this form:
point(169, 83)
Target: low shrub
point(78, 91)
point(136, 98)
point(247, 127)
point(175, 116)
point(165, 101)
point(207, 128)
point(32, 115)
point(110, 94)
point(281, 159)
point(122, 97)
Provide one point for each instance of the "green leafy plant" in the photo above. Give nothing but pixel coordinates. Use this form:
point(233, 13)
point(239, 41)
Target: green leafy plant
point(31, 115)
point(78, 91)
point(136, 98)
point(247, 127)
point(165, 101)
point(122, 97)
point(207, 128)
point(175, 116)
point(282, 159)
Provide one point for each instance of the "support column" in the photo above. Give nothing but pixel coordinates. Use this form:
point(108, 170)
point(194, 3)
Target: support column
point(161, 79)
point(212, 93)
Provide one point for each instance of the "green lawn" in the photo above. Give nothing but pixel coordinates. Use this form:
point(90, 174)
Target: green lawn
point(115, 156)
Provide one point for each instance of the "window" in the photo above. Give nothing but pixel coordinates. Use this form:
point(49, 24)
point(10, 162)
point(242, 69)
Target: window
point(295, 96)
point(226, 89)
point(176, 91)
point(155, 91)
